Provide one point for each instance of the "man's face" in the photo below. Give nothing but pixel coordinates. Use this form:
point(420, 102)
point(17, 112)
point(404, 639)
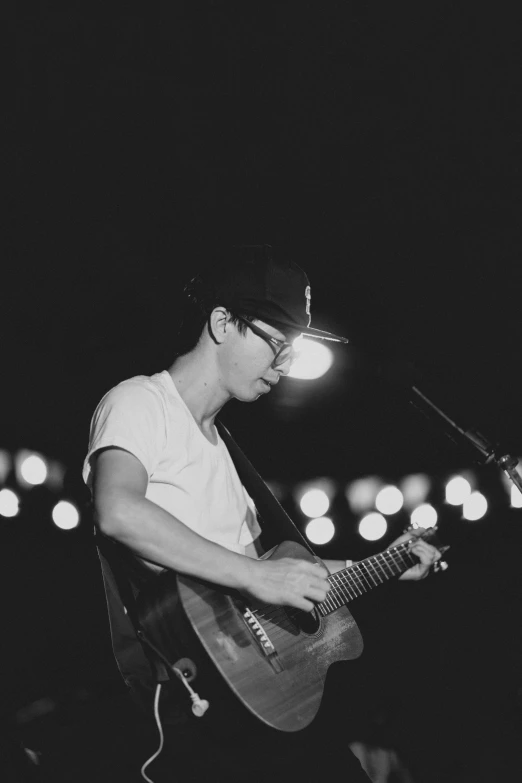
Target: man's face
point(249, 365)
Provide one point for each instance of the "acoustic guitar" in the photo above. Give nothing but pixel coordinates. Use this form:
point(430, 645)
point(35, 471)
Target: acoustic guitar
point(273, 658)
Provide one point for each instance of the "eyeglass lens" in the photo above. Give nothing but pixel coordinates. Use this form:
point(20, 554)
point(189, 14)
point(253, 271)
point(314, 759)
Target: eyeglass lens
point(286, 353)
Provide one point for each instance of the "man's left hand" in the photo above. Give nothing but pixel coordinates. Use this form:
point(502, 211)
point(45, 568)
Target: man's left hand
point(426, 553)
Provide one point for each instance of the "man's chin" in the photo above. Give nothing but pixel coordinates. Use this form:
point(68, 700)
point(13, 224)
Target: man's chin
point(251, 396)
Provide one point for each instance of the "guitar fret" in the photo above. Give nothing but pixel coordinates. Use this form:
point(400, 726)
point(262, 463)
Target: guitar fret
point(337, 591)
point(343, 586)
point(348, 588)
point(353, 583)
point(409, 559)
point(334, 589)
point(360, 577)
point(361, 567)
point(370, 561)
point(330, 603)
point(385, 565)
point(393, 553)
point(356, 580)
point(354, 590)
point(359, 582)
point(334, 598)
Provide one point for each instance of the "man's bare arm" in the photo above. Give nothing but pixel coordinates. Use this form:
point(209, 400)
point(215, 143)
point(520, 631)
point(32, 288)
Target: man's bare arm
point(123, 513)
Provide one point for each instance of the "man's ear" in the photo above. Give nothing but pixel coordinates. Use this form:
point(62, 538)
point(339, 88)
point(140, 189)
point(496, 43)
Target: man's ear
point(218, 324)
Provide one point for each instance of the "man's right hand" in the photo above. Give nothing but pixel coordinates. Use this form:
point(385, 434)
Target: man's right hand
point(288, 582)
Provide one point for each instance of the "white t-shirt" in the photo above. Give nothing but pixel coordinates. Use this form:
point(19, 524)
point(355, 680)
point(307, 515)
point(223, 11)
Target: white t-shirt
point(188, 476)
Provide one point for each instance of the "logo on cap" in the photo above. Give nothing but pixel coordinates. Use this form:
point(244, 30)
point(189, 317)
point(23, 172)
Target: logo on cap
point(308, 295)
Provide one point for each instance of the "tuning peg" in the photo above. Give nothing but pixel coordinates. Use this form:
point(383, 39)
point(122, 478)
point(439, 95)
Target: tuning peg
point(439, 565)
point(415, 526)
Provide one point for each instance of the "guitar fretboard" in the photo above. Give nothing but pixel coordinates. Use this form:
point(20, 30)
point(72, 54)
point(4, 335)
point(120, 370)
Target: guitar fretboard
point(363, 576)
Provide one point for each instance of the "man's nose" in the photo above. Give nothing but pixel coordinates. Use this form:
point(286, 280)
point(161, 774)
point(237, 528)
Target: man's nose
point(284, 367)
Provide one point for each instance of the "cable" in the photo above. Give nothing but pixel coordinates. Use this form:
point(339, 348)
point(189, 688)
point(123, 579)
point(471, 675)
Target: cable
point(199, 706)
point(160, 729)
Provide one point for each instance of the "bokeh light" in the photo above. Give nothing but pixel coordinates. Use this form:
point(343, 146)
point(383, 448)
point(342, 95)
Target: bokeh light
point(373, 526)
point(314, 359)
point(389, 500)
point(457, 490)
point(320, 530)
point(424, 516)
point(314, 503)
point(9, 503)
point(65, 515)
point(33, 469)
point(362, 492)
point(475, 506)
point(415, 489)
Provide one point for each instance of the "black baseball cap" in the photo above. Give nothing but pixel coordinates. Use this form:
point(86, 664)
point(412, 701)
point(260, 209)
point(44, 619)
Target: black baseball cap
point(253, 282)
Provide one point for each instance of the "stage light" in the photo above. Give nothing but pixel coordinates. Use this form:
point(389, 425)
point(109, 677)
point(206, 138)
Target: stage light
point(457, 490)
point(389, 500)
point(475, 506)
point(5, 464)
point(415, 489)
point(9, 503)
point(424, 516)
point(516, 497)
point(373, 526)
point(33, 469)
point(314, 359)
point(65, 515)
point(320, 530)
point(361, 493)
point(314, 503)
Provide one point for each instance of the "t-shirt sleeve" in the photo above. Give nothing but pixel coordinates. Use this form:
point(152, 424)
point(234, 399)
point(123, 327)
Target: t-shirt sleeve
point(250, 529)
point(130, 417)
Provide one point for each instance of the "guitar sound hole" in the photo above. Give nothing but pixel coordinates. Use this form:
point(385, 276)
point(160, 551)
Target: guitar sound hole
point(307, 622)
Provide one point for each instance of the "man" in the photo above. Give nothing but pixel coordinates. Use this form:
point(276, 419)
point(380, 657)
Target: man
point(166, 491)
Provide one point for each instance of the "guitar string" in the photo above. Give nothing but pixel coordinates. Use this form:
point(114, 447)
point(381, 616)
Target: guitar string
point(285, 619)
point(341, 580)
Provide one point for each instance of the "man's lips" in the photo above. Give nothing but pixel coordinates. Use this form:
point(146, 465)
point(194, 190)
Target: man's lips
point(270, 383)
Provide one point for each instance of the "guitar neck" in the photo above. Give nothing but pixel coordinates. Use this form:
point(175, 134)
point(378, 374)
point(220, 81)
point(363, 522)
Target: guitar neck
point(363, 576)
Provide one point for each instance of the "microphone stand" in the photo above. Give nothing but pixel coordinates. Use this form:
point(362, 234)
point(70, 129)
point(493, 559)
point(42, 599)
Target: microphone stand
point(488, 451)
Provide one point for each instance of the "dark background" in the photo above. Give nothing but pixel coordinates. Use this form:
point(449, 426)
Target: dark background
point(378, 145)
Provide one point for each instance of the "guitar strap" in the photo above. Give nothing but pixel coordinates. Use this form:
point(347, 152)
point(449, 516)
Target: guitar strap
point(275, 523)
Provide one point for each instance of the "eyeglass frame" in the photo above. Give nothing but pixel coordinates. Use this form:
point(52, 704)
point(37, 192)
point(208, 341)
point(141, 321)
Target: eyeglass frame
point(273, 342)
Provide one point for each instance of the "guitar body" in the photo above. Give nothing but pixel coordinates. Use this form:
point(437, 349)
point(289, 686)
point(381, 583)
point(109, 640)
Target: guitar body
point(274, 659)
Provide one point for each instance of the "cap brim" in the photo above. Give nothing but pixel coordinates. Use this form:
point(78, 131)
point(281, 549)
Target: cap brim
point(336, 338)
point(308, 331)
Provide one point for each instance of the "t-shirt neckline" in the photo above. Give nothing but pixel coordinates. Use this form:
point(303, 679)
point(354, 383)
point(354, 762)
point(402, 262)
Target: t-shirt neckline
point(172, 386)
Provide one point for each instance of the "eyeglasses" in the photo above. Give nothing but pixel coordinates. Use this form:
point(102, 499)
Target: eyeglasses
point(283, 351)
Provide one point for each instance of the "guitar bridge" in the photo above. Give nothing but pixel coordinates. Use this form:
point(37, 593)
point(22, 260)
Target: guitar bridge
point(262, 639)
